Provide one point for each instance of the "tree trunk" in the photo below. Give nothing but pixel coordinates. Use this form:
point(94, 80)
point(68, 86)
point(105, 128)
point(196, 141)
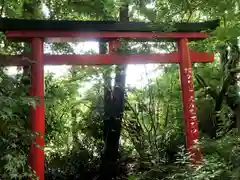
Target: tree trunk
point(229, 90)
point(232, 96)
point(114, 108)
point(107, 120)
point(30, 10)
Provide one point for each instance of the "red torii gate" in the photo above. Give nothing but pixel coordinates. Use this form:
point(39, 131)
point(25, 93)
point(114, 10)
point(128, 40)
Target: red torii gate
point(38, 31)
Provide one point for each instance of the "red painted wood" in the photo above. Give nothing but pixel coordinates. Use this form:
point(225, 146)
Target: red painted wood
point(189, 107)
point(103, 59)
point(114, 46)
point(61, 36)
point(37, 113)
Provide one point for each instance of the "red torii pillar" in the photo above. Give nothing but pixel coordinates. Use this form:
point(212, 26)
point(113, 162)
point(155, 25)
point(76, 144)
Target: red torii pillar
point(189, 107)
point(183, 57)
point(37, 114)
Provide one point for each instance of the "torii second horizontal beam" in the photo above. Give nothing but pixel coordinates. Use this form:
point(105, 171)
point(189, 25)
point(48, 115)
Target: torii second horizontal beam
point(106, 59)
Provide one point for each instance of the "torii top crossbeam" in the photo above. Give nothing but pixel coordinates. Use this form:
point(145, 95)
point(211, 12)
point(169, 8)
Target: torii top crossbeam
point(70, 30)
point(37, 31)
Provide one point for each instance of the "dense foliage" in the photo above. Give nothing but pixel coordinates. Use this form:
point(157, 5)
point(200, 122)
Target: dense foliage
point(152, 130)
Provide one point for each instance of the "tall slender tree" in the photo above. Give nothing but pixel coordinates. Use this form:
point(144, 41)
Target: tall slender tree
point(113, 113)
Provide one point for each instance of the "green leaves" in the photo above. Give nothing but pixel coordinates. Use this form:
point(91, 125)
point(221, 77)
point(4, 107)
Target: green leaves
point(153, 124)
